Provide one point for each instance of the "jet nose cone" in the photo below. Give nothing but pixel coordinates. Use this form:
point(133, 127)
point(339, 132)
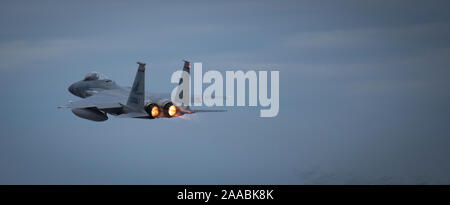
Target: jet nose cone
point(72, 89)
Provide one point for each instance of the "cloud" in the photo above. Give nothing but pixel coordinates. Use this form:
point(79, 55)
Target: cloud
point(412, 36)
point(21, 52)
point(335, 178)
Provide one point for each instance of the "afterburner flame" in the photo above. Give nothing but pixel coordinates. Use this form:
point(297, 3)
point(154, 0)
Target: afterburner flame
point(155, 111)
point(172, 110)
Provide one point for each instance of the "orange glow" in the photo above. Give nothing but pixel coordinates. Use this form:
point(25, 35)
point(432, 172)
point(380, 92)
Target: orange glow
point(172, 110)
point(155, 111)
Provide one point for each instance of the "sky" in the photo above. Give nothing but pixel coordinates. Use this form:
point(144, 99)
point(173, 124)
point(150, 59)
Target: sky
point(363, 92)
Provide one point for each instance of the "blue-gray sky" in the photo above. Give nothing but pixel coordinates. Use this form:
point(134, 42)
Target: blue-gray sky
point(363, 92)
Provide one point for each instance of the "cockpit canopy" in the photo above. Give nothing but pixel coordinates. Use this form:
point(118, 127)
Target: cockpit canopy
point(95, 76)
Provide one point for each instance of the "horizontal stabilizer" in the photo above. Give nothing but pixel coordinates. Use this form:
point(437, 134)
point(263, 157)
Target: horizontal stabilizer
point(133, 115)
point(195, 111)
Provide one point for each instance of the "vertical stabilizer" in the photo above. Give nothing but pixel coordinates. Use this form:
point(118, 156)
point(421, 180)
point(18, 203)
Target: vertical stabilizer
point(137, 92)
point(186, 68)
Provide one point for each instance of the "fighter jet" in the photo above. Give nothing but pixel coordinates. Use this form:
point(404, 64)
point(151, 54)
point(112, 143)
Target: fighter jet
point(102, 96)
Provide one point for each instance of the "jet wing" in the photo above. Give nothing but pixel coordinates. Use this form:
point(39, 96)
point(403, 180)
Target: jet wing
point(108, 100)
point(101, 100)
point(159, 96)
point(116, 99)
